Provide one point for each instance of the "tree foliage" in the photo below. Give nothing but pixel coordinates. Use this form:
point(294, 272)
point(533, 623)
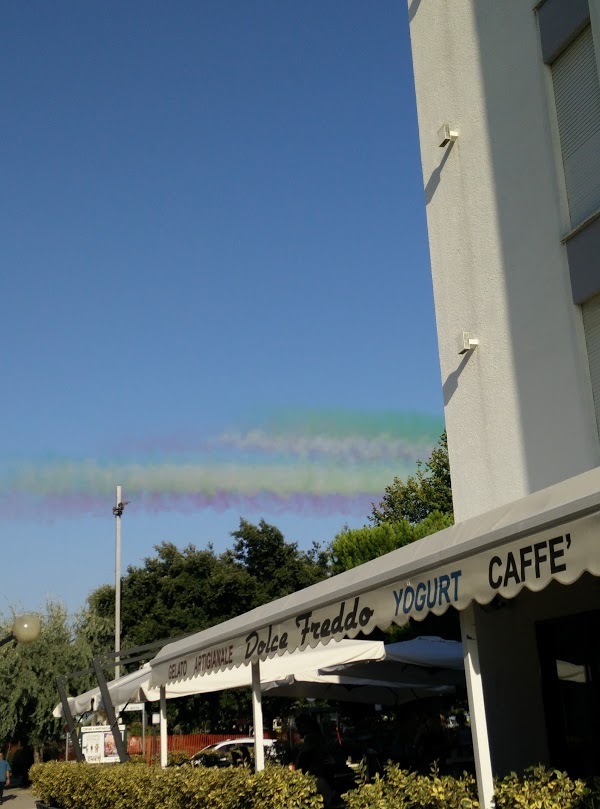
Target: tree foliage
point(427, 491)
point(28, 679)
point(176, 592)
point(409, 510)
point(353, 547)
point(277, 566)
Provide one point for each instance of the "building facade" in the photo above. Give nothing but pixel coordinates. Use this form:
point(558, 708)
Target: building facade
point(508, 100)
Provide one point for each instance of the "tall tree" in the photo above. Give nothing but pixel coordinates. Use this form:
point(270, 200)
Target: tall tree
point(409, 510)
point(28, 680)
point(427, 491)
point(175, 592)
point(355, 546)
point(278, 567)
point(172, 593)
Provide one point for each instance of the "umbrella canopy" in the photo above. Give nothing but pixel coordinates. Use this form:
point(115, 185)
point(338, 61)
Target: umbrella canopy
point(429, 651)
point(346, 671)
point(338, 688)
point(425, 662)
point(136, 687)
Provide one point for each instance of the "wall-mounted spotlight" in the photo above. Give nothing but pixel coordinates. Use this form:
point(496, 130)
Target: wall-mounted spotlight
point(446, 135)
point(467, 342)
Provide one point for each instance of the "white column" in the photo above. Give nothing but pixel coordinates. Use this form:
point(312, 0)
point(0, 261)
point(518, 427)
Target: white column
point(144, 729)
point(163, 726)
point(257, 719)
point(481, 745)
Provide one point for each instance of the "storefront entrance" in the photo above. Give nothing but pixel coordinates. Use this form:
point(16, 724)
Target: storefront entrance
point(569, 650)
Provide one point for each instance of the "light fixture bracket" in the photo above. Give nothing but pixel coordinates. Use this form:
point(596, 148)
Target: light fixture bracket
point(467, 342)
point(446, 135)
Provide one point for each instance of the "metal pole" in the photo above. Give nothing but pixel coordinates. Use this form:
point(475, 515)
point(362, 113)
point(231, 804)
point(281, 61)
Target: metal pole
point(69, 717)
point(7, 639)
point(109, 708)
point(118, 512)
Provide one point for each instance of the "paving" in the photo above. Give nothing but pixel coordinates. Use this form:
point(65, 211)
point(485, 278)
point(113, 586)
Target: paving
point(18, 798)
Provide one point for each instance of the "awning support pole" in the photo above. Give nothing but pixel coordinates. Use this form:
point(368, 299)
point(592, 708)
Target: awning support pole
point(163, 726)
point(257, 719)
point(120, 745)
point(144, 729)
point(481, 744)
point(69, 717)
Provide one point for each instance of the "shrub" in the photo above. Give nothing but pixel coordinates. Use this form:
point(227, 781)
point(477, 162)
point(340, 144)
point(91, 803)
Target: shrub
point(175, 758)
point(402, 789)
point(541, 788)
point(69, 785)
point(537, 788)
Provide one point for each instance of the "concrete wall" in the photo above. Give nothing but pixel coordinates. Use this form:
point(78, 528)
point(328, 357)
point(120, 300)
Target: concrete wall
point(518, 409)
point(508, 651)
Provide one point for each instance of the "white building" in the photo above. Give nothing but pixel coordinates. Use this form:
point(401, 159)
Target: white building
point(508, 102)
point(509, 113)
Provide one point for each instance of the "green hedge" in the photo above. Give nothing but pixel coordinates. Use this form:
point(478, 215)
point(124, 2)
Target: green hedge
point(137, 786)
point(541, 788)
point(537, 788)
point(68, 785)
point(402, 789)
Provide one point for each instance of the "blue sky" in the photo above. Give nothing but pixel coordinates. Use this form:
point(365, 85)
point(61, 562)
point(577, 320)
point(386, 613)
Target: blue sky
point(215, 279)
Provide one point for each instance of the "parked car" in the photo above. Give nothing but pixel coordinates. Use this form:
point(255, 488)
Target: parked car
point(230, 752)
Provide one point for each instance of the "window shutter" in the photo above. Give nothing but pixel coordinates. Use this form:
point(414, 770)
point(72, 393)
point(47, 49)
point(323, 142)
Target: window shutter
point(577, 96)
point(591, 324)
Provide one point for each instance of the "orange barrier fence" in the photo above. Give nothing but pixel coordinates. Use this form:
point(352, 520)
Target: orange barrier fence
point(188, 743)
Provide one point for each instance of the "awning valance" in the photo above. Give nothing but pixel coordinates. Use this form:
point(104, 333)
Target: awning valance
point(549, 535)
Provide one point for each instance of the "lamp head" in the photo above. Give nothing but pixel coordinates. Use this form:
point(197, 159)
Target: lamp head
point(26, 628)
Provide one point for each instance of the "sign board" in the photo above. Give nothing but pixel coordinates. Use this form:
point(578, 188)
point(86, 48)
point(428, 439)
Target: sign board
point(504, 569)
point(98, 744)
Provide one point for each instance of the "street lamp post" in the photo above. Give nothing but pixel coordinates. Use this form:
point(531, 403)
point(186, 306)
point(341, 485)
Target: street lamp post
point(25, 629)
point(118, 510)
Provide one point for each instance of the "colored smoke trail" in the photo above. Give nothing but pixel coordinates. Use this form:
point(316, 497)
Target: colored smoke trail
point(313, 463)
point(333, 434)
point(19, 507)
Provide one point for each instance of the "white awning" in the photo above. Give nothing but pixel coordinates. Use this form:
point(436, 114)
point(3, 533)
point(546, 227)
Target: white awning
point(136, 687)
point(129, 688)
point(549, 535)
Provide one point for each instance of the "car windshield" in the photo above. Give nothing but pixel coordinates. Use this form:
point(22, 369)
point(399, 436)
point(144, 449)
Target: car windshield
point(211, 748)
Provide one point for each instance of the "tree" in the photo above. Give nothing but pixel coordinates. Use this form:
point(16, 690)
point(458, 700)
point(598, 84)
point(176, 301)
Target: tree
point(172, 593)
point(428, 490)
point(355, 546)
point(277, 566)
point(178, 592)
point(28, 680)
point(408, 511)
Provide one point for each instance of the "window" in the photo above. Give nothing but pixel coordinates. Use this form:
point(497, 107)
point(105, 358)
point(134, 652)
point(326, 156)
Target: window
point(577, 96)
